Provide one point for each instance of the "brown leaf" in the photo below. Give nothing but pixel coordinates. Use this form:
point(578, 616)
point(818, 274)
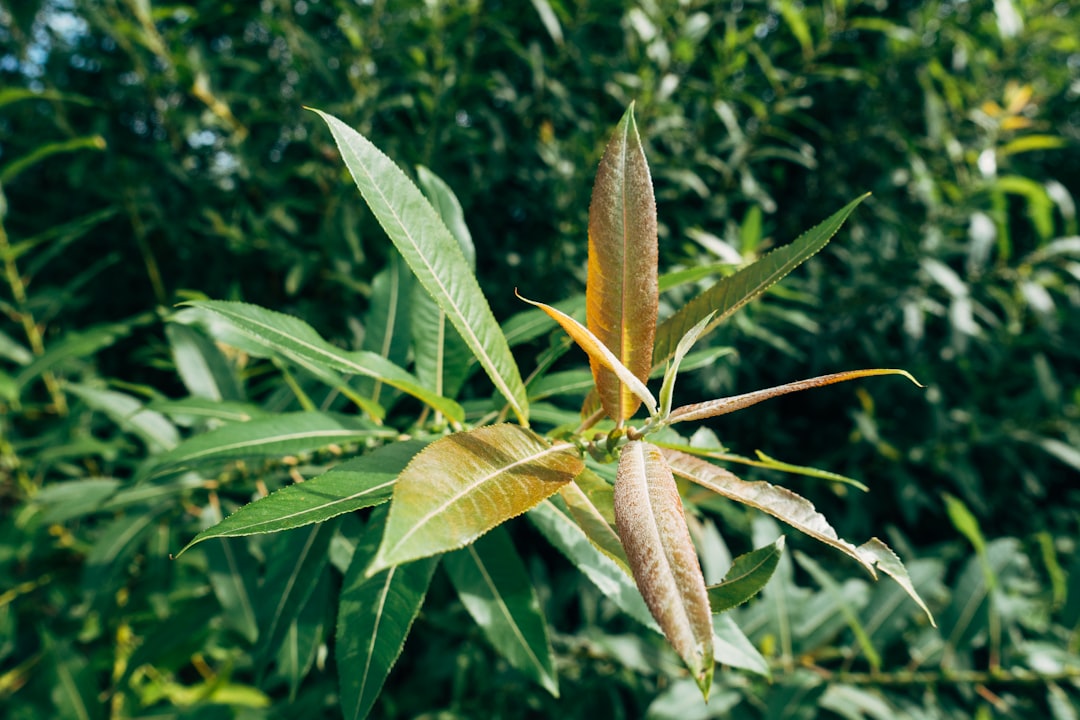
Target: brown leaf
point(652, 526)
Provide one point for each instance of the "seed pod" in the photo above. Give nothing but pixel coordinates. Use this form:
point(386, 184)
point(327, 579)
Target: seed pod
point(652, 527)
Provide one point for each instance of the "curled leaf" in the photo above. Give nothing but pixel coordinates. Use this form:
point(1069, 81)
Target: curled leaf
point(723, 406)
point(599, 353)
point(796, 511)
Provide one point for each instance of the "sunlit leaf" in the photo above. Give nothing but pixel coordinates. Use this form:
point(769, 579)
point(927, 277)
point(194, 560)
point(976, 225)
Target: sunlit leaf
point(622, 292)
point(734, 291)
point(793, 509)
point(722, 406)
point(882, 556)
point(748, 574)
point(593, 521)
point(358, 483)
point(443, 359)
point(599, 353)
point(494, 587)
point(652, 526)
point(387, 320)
point(433, 255)
point(298, 342)
point(375, 615)
point(463, 485)
point(672, 372)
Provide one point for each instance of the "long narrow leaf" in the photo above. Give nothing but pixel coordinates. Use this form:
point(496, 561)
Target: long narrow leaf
point(294, 565)
point(723, 406)
point(615, 583)
point(375, 615)
point(358, 483)
point(591, 520)
point(622, 293)
point(463, 485)
point(793, 509)
point(493, 584)
point(297, 341)
point(443, 360)
point(285, 434)
point(599, 353)
point(652, 525)
point(732, 292)
point(433, 255)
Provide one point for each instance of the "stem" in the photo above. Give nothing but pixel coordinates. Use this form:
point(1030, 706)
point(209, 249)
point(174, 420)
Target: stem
point(26, 319)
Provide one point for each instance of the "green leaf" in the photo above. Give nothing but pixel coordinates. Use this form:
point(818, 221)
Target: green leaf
point(375, 615)
point(599, 353)
point(46, 150)
point(387, 321)
point(622, 294)
point(192, 410)
point(796, 511)
point(748, 574)
point(447, 205)
point(491, 580)
point(461, 486)
point(731, 646)
point(285, 434)
point(433, 255)
point(231, 570)
point(131, 415)
point(595, 516)
point(840, 601)
point(358, 483)
point(672, 372)
point(297, 341)
point(443, 360)
point(615, 583)
point(118, 542)
point(652, 525)
point(732, 292)
point(201, 365)
point(722, 406)
point(294, 562)
point(63, 501)
point(300, 647)
point(73, 345)
point(71, 679)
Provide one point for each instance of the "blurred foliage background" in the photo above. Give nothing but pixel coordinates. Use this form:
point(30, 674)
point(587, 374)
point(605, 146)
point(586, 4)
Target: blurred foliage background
point(151, 153)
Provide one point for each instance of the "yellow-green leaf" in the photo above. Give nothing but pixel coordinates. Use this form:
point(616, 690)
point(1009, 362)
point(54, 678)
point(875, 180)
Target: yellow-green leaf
point(652, 526)
point(463, 485)
point(622, 291)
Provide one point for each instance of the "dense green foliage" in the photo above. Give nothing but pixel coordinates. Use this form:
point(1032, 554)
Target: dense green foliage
point(149, 155)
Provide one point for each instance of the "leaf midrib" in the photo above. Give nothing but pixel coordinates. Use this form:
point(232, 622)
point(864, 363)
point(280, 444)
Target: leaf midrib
point(477, 346)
